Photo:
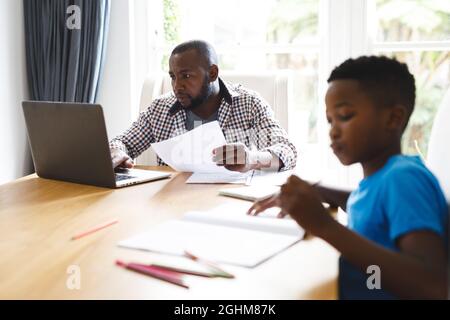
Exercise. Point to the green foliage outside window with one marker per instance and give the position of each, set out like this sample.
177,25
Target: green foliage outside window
171,26
419,20
293,21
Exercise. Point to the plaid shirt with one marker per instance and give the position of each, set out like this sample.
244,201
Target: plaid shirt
243,116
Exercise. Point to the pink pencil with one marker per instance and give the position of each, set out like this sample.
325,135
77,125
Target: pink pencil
155,272
97,228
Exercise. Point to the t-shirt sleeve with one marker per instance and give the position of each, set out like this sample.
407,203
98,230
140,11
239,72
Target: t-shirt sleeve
413,203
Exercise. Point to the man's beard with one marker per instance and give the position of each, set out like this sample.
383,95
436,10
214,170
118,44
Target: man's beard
205,93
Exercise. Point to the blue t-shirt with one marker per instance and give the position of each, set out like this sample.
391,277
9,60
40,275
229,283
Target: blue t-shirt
402,197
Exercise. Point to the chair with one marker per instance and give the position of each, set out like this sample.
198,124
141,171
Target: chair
275,87
438,159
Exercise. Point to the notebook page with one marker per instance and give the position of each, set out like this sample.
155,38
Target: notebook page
236,246
236,217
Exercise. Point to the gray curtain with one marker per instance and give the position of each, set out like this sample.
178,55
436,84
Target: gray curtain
65,64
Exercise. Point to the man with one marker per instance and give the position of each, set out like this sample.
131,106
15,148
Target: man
200,96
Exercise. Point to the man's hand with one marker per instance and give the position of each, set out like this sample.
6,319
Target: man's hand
121,159
237,157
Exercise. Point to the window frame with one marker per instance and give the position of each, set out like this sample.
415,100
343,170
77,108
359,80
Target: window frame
347,28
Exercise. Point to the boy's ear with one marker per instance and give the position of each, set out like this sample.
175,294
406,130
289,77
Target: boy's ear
397,117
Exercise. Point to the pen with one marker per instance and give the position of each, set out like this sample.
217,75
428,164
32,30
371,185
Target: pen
248,182
96,228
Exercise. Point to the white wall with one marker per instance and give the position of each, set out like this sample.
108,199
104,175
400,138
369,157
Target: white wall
116,93
15,159
127,61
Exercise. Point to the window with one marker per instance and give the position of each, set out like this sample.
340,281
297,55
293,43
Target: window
311,37
417,32
255,35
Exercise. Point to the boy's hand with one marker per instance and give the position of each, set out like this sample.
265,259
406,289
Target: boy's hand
260,206
302,202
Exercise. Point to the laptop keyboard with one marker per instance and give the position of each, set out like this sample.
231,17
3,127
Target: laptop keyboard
120,177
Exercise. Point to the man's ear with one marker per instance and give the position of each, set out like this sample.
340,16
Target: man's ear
213,73
397,117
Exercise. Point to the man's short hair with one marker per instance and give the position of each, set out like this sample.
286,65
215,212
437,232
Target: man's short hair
203,48
385,80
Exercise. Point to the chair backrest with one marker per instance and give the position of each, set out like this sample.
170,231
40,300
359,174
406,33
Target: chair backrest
275,87
438,159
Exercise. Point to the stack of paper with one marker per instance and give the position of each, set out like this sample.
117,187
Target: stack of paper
251,193
210,178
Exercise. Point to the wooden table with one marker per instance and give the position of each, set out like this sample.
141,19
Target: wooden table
39,216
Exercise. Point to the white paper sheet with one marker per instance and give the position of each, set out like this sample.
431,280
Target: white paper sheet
238,218
227,177
267,178
259,178
192,151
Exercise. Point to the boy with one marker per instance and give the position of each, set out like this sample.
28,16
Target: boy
398,213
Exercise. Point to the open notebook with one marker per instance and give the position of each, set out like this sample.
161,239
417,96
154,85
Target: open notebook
225,234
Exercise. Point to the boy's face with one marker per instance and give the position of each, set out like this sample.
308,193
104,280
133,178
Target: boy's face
357,128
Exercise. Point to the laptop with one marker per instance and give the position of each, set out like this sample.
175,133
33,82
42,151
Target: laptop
69,142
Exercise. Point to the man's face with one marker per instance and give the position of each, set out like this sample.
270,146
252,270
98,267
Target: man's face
190,78
357,127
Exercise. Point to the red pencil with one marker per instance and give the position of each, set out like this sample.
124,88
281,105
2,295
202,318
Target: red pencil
99,227
155,272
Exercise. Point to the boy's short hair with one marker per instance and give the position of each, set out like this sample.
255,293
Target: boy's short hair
387,81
